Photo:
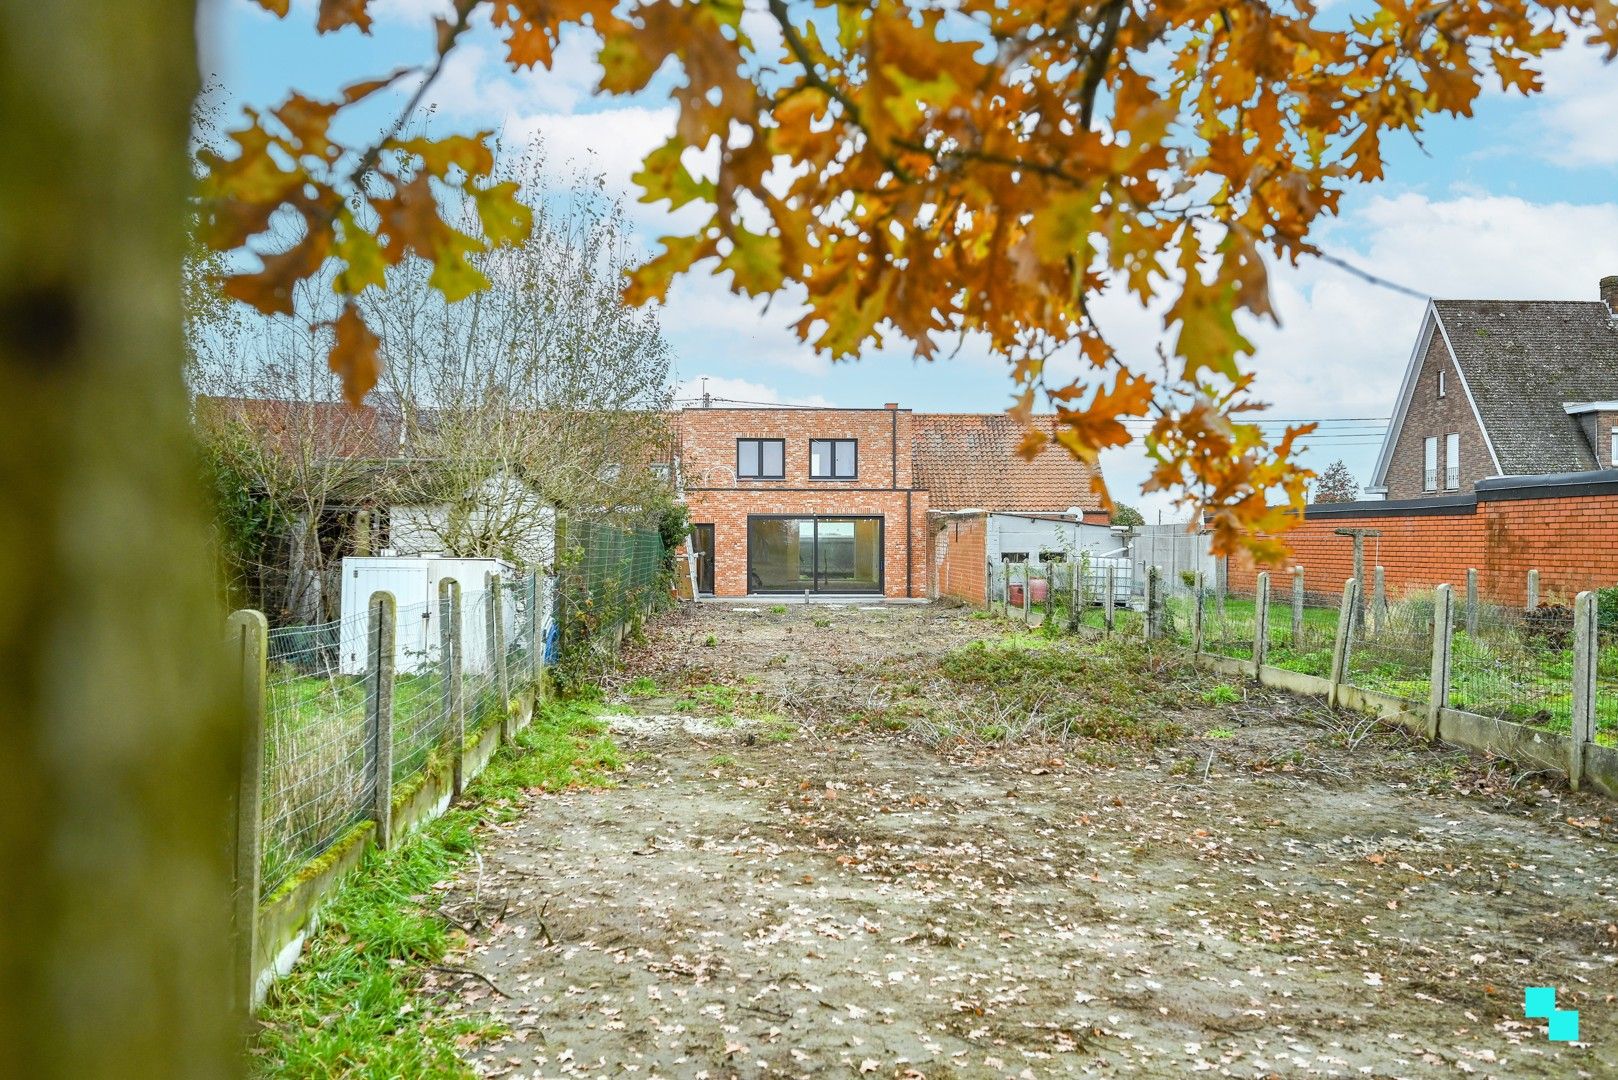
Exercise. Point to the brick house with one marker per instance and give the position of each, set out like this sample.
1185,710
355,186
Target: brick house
1504,388
838,501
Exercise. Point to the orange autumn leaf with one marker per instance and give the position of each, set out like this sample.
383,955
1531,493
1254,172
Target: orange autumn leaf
910,184
354,355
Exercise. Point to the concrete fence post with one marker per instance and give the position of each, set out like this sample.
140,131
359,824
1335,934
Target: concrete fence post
494,588
1472,603
249,642
1076,591
1297,608
536,645
1261,620
1439,673
1198,611
450,668
1005,589
1154,603
1050,590
1340,647
1221,584
1532,596
1109,602
1027,594
383,617
1586,642
1379,600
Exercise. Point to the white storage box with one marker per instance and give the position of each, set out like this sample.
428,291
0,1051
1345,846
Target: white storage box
413,581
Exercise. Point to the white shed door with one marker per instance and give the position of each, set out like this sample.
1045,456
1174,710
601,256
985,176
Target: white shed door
411,590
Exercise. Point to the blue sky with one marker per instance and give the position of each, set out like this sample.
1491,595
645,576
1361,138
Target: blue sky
1519,202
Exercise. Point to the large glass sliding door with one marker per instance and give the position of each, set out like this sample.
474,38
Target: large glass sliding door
814,554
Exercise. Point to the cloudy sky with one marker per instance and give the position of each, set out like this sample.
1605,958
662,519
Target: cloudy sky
1519,202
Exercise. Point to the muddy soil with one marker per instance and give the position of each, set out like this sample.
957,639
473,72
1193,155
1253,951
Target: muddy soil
793,882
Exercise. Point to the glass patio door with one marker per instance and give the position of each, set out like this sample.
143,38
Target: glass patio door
814,554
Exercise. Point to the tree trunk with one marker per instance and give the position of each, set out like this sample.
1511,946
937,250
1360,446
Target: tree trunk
114,718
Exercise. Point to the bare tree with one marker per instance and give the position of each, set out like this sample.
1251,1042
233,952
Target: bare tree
542,391
295,470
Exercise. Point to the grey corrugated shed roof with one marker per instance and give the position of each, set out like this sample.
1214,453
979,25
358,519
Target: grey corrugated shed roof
1525,360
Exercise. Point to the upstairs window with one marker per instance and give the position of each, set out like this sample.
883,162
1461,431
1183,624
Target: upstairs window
1440,382
833,459
761,459
1614,458
1452,460
1429,463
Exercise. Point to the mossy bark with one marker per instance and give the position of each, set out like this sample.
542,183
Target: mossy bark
114,710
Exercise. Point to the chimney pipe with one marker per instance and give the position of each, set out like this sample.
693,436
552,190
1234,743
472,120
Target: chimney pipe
1609,293
895,404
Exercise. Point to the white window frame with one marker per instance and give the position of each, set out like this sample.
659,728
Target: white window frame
1452,461
1440,382
1614,458
1429,463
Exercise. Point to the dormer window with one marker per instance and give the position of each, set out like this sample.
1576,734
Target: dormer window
1441,382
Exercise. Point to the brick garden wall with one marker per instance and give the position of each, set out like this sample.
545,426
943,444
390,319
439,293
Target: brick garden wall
1569,533
959,559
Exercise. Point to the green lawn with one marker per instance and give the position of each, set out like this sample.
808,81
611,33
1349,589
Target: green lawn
1509,670
315,751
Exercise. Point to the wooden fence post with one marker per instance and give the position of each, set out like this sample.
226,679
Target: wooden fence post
249,636
1438,674
1472,603
1261,621
1586,640
1198,606
1050,590
494,590
449,657
1341,646
383,615
1533,591
1297,608
1110,601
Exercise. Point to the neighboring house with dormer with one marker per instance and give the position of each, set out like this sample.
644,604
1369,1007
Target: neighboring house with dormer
1504,388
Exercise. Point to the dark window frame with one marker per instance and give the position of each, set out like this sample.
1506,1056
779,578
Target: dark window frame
881,548
855,475
761,475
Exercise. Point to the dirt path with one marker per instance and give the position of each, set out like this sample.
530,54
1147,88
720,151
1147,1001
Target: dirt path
1268,891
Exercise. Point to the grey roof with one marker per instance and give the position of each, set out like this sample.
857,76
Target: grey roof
1523,361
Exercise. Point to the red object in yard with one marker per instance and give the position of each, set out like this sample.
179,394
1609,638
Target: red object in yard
1038,592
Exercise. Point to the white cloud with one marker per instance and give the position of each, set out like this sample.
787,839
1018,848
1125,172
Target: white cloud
1577,112
725,390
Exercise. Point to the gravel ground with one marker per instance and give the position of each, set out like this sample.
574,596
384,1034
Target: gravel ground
815,865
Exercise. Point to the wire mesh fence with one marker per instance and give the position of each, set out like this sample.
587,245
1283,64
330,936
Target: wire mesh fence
608,574
315,784
1390,649
1513,664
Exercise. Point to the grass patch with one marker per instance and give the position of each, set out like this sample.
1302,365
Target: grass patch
778,609
643,687
1223,694
1221,733
351,1007
1024,684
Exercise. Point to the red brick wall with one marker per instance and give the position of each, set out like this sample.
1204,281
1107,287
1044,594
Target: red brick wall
959,558
1569,540
708,445
904,565
882,486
